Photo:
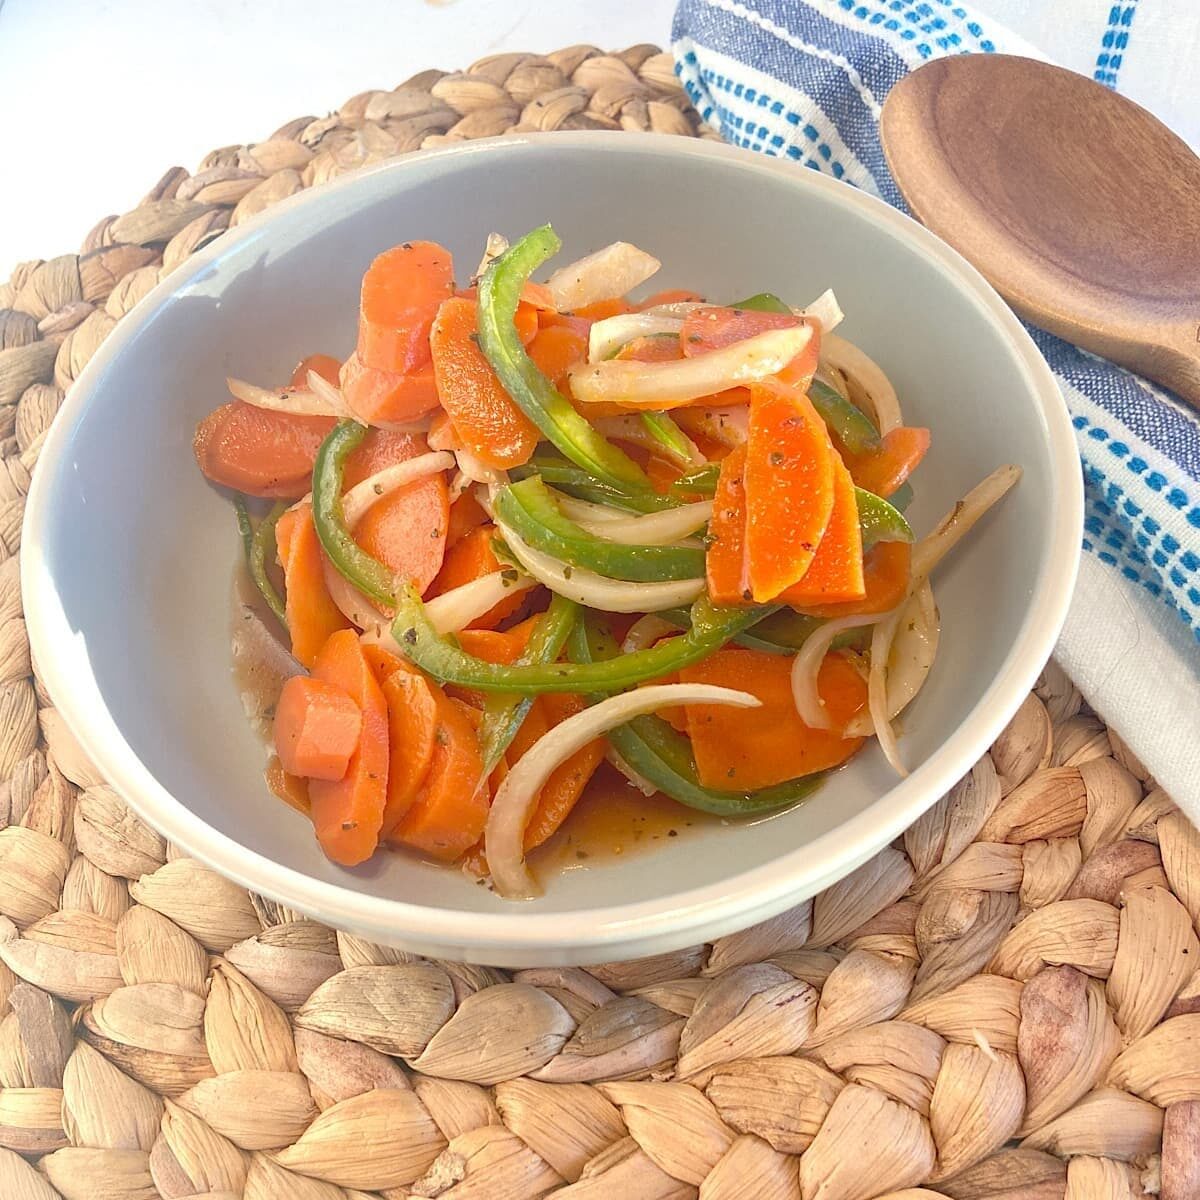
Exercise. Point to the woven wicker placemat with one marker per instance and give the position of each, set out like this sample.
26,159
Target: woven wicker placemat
1003,1006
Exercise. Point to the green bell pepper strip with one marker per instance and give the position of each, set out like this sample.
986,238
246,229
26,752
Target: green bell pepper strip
529,510
503,712
901,498
578,483
667,434
762,302
880,521
499,293
664,758
846,422
442,658
350,560
259,545
700,482
782,632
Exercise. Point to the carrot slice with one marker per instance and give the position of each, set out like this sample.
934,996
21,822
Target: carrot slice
401,292
670,296
406,530
725,562
741,749
708,329
317,727
312,616
291,789
325,365
347,814
552,319
651,349
375,396
599,310
560,793
556,349
466,513
450,810
258,451
412,729
789,487
836,573
661,473
468,559
886,571
494,647
886,469
484,415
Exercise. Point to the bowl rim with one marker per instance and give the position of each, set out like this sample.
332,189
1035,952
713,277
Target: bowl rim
519,936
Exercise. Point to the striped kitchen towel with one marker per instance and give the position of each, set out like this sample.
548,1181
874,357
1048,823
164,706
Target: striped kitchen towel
805,79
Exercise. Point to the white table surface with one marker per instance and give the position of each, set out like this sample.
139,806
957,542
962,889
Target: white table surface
100,96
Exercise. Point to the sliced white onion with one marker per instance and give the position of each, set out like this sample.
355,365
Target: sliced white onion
806,666
330,393
584,512
676,308
379,633
357,608
866,381
648,529
677,382
363,496
612,271
496,245
642,784
631,428
826,310
457,608
299,402
644,632
961,519
612,333
459,483
598,591
444,437
515,799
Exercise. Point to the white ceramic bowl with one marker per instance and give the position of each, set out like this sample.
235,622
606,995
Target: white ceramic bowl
128,554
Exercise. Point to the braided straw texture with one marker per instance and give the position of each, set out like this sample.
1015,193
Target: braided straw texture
1003,1006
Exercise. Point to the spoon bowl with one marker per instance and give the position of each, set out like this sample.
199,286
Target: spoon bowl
1079,207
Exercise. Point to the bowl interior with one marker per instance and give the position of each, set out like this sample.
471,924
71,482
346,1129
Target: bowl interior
135,552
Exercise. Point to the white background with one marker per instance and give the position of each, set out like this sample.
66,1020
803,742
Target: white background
99,97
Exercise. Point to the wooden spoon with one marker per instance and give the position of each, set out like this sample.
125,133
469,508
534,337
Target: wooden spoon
1080,208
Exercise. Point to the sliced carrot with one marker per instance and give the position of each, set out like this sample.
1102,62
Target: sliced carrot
258,451
556,349
442,435
836,573
739,749
470,558
670,296
401,292
552,319
406,530
725,562
562,790
380,448
712,328
385,397
661,473
494,647
347,814
325,365
886,572
466,513
291,789
450,810
485,417
651,349
383,663
600,310
311,613
317,726
412,704
789,487
886,469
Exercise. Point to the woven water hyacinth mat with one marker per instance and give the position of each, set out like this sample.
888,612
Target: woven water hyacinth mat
1004,1005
